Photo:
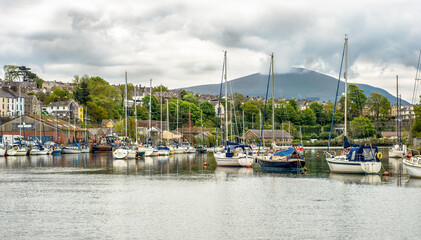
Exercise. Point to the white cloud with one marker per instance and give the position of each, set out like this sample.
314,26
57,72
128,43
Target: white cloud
180,43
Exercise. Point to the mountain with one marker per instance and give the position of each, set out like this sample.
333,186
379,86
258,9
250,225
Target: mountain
300,84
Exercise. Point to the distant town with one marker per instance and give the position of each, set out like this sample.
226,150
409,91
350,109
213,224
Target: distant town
58,106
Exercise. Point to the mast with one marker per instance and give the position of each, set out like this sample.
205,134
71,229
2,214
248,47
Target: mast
273,102
161,111
201,122
125,105
86,119
226,97
397,110
191,135
40,119
243,127
178,134
168,121
150,111
56,128
346,81
135,109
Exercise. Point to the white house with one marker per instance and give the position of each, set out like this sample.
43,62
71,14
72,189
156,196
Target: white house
62,108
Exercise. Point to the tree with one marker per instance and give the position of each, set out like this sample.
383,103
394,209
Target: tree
58,95
357,100
416,127
318,110
156,108
11,73
238,100
39,82
158,89
81,92
293,104
122,88
208,110
308,117
97,113
192,98
362,127
378,104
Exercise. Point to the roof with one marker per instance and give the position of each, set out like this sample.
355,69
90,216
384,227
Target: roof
268,133
6,94
61,103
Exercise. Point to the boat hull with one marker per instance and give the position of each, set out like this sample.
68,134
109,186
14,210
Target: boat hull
56,152
124,154
2,152
413,168
345,166
290,163
71,151
396,154
38,152
18,152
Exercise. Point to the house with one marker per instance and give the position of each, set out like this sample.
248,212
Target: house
218,106
62,109
9,102
108,123
281,136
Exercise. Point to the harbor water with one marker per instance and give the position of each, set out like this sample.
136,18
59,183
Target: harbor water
92,196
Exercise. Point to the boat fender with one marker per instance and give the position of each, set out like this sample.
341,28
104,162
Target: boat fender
305,170
15,148
409,155
236,154
379,155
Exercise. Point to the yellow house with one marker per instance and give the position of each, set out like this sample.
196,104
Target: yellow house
171,135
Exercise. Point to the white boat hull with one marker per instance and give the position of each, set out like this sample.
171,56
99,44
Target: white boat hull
341,165
178,151
71,151
163,152
18,152
413,167
38,152
120,153
86,150
2,152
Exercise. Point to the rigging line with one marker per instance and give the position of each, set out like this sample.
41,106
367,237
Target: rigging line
416,79
264,112
219,104
336,98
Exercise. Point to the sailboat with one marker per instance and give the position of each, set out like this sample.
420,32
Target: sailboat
285,158
412,164
19,148
124,151
398,150
233,154
355,158
147,148
38,148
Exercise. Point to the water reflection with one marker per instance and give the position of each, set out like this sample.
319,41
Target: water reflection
357,178
193,166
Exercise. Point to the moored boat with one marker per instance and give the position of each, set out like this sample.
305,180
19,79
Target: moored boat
413,166
288,158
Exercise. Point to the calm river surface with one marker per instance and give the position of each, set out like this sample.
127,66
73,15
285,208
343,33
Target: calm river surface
93,197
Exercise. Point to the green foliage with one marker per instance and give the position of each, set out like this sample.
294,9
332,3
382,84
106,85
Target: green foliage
308,117
121,127
416,127
192,98
96,112
159,89
208,110
81,92
238,100
156,108
39,82
362,127
378,104
122,91
293,104
357,100
11,73
58,95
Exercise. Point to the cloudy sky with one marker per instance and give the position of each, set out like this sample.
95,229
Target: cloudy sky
181,43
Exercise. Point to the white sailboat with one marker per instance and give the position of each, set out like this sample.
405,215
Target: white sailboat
148,148
124,152
38,148
359,159
2,147
232,154
398,150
